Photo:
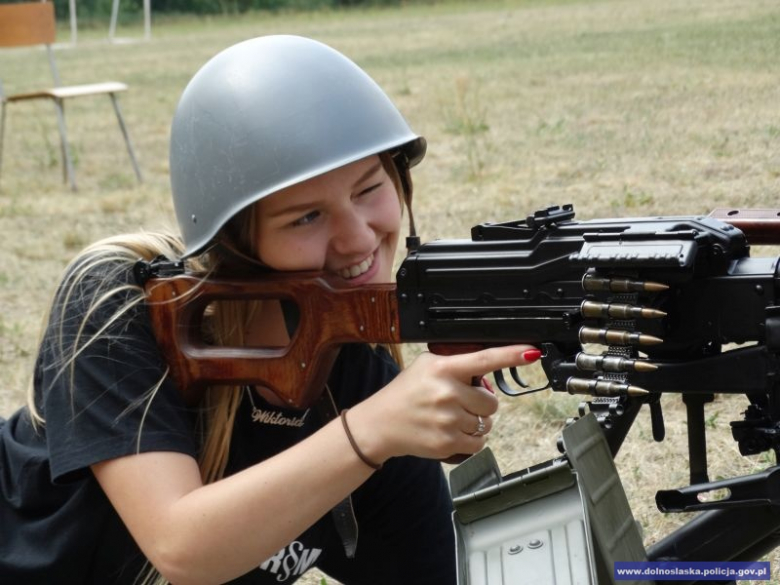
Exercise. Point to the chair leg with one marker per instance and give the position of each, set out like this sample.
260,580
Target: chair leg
2,133
67,164
130,151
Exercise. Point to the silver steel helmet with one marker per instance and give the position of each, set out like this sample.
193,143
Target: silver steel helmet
268,113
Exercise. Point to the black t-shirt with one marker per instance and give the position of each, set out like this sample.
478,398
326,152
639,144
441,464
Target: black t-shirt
57,523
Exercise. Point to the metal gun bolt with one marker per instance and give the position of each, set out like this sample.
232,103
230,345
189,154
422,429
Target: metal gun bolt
514,549
535,543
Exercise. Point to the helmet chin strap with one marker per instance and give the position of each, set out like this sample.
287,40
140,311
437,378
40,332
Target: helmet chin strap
402,164
412,240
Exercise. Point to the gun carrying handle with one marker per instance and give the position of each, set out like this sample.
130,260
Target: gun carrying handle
760,226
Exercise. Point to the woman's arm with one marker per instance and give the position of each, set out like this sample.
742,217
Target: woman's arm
205,534
210,534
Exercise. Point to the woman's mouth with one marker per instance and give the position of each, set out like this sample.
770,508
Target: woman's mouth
357,269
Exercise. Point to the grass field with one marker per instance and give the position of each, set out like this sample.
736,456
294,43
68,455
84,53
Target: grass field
620,107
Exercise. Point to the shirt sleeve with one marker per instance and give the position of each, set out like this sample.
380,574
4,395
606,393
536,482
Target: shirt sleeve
112,399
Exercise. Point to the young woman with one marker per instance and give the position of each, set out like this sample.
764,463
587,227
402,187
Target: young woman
284,156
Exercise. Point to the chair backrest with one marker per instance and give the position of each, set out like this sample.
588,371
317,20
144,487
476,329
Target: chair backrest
28,23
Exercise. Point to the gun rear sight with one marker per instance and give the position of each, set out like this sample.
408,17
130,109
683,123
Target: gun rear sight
523,229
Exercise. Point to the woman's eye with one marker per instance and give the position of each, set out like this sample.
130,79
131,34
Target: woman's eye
306,219
369,189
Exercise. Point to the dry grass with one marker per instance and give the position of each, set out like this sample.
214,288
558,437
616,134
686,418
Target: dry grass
621,107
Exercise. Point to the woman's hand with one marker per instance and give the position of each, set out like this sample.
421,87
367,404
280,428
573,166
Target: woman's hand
432,409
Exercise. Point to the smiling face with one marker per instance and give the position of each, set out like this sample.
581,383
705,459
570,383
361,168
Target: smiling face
345,222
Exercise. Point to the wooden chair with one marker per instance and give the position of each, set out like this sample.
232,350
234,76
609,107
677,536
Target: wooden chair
33,23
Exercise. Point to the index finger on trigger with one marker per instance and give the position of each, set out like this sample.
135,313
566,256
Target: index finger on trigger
475,365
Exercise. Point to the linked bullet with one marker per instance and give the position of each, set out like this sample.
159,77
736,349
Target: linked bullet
593,283
611,363
602,388
593,309
616,337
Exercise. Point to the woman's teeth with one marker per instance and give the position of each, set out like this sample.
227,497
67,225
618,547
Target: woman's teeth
357,269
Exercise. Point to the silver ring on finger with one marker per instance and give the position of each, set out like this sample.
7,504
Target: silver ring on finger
480,427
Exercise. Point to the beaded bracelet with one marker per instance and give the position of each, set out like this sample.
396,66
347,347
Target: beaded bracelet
352,442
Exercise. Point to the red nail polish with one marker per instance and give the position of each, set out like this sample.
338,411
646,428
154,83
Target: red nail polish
487,385
531,355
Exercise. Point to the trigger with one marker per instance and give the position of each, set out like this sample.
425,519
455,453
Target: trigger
498,376
516,377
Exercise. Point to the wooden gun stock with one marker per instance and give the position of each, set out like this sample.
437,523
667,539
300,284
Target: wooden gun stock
330,315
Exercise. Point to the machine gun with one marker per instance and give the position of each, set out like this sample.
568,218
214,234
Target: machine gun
678,303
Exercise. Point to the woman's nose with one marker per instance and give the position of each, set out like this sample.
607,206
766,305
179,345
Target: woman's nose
352,233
